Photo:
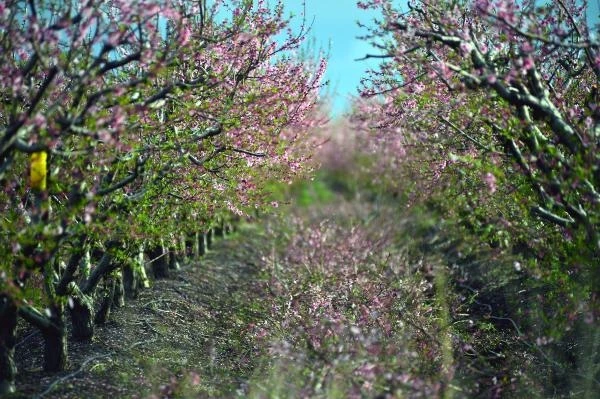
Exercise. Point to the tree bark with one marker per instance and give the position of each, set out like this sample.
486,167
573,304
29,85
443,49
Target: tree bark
173,261
201,244
130,280
105,267
8,323
209,238
53,329
140,268
228,228
185,250
220,229
176,253
81,318
55,340
85,267
119,296
82,312
160,266
77,261
195,245
51,324
103,312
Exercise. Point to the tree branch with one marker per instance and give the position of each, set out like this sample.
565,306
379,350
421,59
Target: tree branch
36,318
210,132
254,154
125,181
105,266
69,272
212,155
462,132
552,217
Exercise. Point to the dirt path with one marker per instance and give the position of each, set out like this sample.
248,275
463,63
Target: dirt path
186,336
327,302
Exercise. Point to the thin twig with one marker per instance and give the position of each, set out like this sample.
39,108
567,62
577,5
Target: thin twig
82,367
71,375
27,338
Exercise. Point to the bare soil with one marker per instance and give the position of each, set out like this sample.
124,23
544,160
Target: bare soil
186,336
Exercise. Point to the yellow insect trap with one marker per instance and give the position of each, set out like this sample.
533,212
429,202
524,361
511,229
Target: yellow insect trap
38,170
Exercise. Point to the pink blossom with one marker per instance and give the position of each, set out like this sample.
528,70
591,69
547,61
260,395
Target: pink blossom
465,47
186,34
490,182
528,63
39,120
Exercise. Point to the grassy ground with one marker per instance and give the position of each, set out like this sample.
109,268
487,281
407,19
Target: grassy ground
338,298
187,336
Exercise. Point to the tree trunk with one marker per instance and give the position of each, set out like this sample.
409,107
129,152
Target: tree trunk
130,280
233,224
81,318
82,312
140,269
119,297
185,251
55,340
195,245
228,228
201,244
188,239
173,261
176,253
8,323
103,313
160,266
209,238
220,229
85,267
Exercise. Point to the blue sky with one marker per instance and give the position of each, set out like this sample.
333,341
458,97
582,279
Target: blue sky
334,29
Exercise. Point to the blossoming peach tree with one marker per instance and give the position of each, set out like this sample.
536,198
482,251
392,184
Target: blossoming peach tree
125,124
495,104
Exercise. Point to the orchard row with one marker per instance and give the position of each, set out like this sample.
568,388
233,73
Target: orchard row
486,113
129,131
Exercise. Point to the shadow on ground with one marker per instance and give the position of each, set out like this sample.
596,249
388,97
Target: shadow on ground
188,335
